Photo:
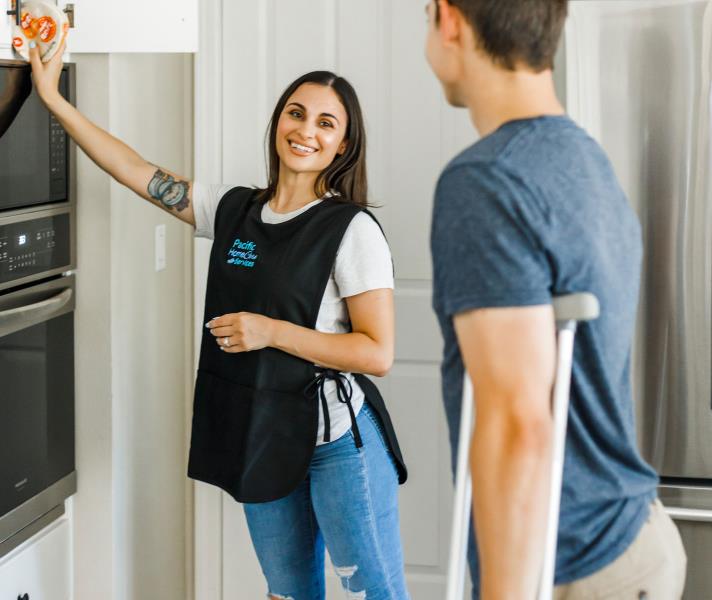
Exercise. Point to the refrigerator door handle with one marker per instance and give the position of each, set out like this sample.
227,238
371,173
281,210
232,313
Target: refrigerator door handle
689,514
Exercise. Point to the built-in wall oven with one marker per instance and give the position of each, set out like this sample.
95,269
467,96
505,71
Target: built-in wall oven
37,301
37,425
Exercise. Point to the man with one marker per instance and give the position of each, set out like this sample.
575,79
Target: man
531,211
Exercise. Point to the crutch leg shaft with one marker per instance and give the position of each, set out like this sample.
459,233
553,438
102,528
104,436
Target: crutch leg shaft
568,311
463,498
560,409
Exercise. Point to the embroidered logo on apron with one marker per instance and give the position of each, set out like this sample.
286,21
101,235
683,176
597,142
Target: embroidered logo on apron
242,254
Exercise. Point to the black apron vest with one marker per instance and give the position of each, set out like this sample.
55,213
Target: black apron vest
255,414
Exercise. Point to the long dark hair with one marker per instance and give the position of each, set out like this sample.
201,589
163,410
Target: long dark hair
347,173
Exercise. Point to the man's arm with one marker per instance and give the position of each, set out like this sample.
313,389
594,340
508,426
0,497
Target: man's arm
510,355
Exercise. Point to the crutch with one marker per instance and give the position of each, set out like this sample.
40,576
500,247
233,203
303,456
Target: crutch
568,311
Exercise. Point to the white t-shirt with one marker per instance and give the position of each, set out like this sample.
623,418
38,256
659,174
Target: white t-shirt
363,263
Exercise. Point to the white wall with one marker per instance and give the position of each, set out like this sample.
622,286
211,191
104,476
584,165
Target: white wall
93,504
133,362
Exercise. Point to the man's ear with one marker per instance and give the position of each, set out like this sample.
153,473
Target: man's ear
450,22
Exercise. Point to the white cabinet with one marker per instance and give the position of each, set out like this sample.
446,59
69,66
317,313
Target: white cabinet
125,25
41,567
5,30
134,26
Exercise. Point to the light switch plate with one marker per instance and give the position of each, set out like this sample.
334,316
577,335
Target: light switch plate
160,248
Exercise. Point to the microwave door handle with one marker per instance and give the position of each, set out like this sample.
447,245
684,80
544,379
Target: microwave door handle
16,319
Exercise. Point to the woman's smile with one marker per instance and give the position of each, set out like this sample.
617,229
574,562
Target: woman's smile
301,149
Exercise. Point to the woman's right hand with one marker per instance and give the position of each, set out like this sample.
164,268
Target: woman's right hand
46,75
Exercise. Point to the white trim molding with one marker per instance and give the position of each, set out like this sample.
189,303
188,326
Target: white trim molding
208,516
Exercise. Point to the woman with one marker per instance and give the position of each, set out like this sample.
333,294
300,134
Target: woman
299,305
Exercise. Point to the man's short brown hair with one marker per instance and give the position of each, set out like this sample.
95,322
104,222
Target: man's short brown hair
516,32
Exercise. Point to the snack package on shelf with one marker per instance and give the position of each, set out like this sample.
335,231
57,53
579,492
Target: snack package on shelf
42,23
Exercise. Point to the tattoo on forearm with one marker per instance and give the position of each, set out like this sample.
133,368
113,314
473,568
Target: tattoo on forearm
168,191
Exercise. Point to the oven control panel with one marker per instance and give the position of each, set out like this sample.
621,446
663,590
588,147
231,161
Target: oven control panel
32,247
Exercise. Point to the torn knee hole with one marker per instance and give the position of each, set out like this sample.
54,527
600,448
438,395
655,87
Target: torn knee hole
279,597
346,573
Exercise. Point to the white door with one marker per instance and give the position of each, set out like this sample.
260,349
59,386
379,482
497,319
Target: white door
412,133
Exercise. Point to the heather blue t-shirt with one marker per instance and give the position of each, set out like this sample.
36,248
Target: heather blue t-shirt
532,211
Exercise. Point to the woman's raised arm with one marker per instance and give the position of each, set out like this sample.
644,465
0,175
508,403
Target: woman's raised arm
167,190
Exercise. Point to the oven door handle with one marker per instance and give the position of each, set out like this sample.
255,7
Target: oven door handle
15,319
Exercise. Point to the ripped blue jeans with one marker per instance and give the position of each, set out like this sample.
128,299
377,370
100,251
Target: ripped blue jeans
348,503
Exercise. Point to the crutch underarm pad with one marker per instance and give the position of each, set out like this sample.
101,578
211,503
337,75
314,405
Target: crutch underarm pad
576,307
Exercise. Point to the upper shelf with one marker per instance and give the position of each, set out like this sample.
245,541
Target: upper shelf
125,26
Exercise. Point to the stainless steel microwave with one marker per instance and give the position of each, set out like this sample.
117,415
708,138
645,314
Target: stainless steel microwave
34,149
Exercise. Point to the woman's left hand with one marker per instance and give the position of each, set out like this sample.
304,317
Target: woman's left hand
242,332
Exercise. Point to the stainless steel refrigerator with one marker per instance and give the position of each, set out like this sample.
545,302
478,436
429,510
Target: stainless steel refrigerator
637,75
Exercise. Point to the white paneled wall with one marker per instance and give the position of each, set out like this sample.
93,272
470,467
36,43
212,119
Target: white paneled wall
378,45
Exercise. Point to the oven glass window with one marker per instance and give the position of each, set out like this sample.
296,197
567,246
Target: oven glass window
28,151
36,404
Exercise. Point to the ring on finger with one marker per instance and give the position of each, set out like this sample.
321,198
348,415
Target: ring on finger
226,342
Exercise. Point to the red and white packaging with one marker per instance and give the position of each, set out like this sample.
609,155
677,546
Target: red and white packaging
42,23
